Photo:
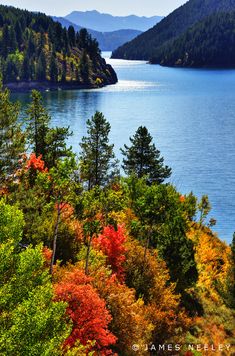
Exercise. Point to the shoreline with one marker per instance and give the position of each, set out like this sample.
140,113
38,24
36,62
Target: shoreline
24,87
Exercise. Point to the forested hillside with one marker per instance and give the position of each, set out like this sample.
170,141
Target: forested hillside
92,263
209,43
149,43
35,49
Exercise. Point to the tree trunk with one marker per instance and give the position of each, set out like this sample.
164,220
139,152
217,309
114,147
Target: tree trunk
88,255
55,237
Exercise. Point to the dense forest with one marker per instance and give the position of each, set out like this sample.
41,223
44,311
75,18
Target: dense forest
34,48
93,263
149,44
209,43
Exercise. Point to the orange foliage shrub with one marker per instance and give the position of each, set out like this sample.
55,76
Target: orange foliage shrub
36,163
149,276
130,322
87,311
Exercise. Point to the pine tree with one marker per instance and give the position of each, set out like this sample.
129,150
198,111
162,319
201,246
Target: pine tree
37,124
25,71
53,69
5,41
64,70
45,141
71,36
12,40
18,33
41,67
143,159
98,164
11,136
84,67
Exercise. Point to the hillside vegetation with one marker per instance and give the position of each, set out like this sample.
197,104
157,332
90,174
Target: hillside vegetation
34,48
209,43
92,263
148,45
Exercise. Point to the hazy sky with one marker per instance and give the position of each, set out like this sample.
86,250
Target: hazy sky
116,7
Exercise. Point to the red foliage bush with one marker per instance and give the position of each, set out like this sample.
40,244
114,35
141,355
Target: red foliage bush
111,243
36,163
87,311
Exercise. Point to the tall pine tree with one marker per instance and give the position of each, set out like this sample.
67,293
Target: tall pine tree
143,159
45,141
11,136
98,164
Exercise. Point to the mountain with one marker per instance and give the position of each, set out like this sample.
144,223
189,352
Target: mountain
209,43
149,43
108,41
37,52
106,22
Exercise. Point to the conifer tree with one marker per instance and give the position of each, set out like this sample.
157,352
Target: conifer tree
41,67
142,158
45,141
37,124
53,68
98,164
12,40
25,73
11,136
71,36
5,40
84,67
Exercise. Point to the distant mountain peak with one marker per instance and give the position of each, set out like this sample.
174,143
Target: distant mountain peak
104,22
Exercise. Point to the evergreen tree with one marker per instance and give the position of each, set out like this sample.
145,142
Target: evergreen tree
25,72
37,124
31,45
65,41
98,164
53,69
142,158
5,41
11,71
84,67
45,141
18,33
56,147
41,67
12,40
11,136
71,36
64,70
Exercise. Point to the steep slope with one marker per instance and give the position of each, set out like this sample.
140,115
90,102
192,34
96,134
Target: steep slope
37,52
145,46
106,22
108,41
209,43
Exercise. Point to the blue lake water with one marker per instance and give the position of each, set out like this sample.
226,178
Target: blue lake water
189,112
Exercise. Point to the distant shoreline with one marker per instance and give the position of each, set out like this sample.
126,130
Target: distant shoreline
24,87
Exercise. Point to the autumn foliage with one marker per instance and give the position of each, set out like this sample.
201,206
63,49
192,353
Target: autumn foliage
36,163
87,310
112,243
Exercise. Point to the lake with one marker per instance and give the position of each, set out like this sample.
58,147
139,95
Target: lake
189,112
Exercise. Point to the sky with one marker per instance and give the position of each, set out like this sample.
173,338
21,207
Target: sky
115,7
